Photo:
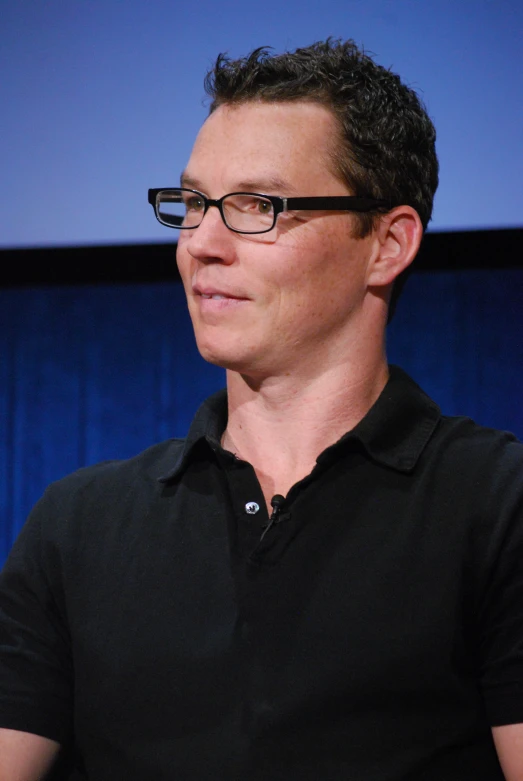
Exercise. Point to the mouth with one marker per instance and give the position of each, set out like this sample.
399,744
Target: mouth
218,302
211,293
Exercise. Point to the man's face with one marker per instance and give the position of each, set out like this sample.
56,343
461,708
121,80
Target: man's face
290,298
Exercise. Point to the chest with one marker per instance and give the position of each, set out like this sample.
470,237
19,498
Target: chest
197,610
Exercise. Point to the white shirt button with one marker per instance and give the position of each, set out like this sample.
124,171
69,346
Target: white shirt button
251,508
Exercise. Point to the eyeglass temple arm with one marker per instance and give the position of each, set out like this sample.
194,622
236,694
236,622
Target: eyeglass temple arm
342,202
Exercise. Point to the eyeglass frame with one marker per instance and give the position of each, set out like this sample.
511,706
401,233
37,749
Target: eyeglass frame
280,205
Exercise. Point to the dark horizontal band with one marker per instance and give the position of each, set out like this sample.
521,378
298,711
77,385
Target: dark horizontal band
337,202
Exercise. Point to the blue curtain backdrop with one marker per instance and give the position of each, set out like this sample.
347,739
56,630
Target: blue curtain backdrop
91,373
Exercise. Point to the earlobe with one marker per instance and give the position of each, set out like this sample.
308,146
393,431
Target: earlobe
398,237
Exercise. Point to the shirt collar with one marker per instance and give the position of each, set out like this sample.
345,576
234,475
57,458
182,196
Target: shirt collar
396,429
207,427
394,432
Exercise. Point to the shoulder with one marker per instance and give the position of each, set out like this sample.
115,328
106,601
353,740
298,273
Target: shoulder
96,510
149,465
474,476
108,489
483,465
471,477
459,441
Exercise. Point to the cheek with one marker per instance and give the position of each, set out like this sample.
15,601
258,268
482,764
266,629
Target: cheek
309,262
323,276
181,253
185,265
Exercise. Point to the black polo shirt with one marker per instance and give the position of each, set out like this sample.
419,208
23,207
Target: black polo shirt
150,617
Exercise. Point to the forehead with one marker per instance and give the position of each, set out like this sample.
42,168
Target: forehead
277,144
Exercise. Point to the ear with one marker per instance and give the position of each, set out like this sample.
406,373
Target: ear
398,236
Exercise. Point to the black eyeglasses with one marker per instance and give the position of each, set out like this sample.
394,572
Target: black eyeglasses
246,212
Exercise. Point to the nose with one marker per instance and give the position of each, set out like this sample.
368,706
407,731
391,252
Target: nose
211,240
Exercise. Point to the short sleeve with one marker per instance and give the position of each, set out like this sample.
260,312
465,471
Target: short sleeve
500,609
35,655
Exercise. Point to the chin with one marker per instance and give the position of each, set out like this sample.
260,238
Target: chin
238,361
219,355
220,346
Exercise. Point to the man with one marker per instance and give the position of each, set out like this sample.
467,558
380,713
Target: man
323,581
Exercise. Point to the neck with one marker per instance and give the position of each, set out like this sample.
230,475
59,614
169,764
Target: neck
280,424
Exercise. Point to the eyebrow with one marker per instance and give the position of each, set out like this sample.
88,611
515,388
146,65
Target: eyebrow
265,184
188,181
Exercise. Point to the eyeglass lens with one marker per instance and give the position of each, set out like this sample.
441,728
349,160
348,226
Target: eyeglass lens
244,212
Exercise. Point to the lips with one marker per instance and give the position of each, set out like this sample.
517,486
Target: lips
218,294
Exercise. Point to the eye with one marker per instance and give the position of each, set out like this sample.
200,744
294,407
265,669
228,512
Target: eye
264,207
194,203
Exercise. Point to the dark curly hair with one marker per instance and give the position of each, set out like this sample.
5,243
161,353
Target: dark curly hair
387,145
